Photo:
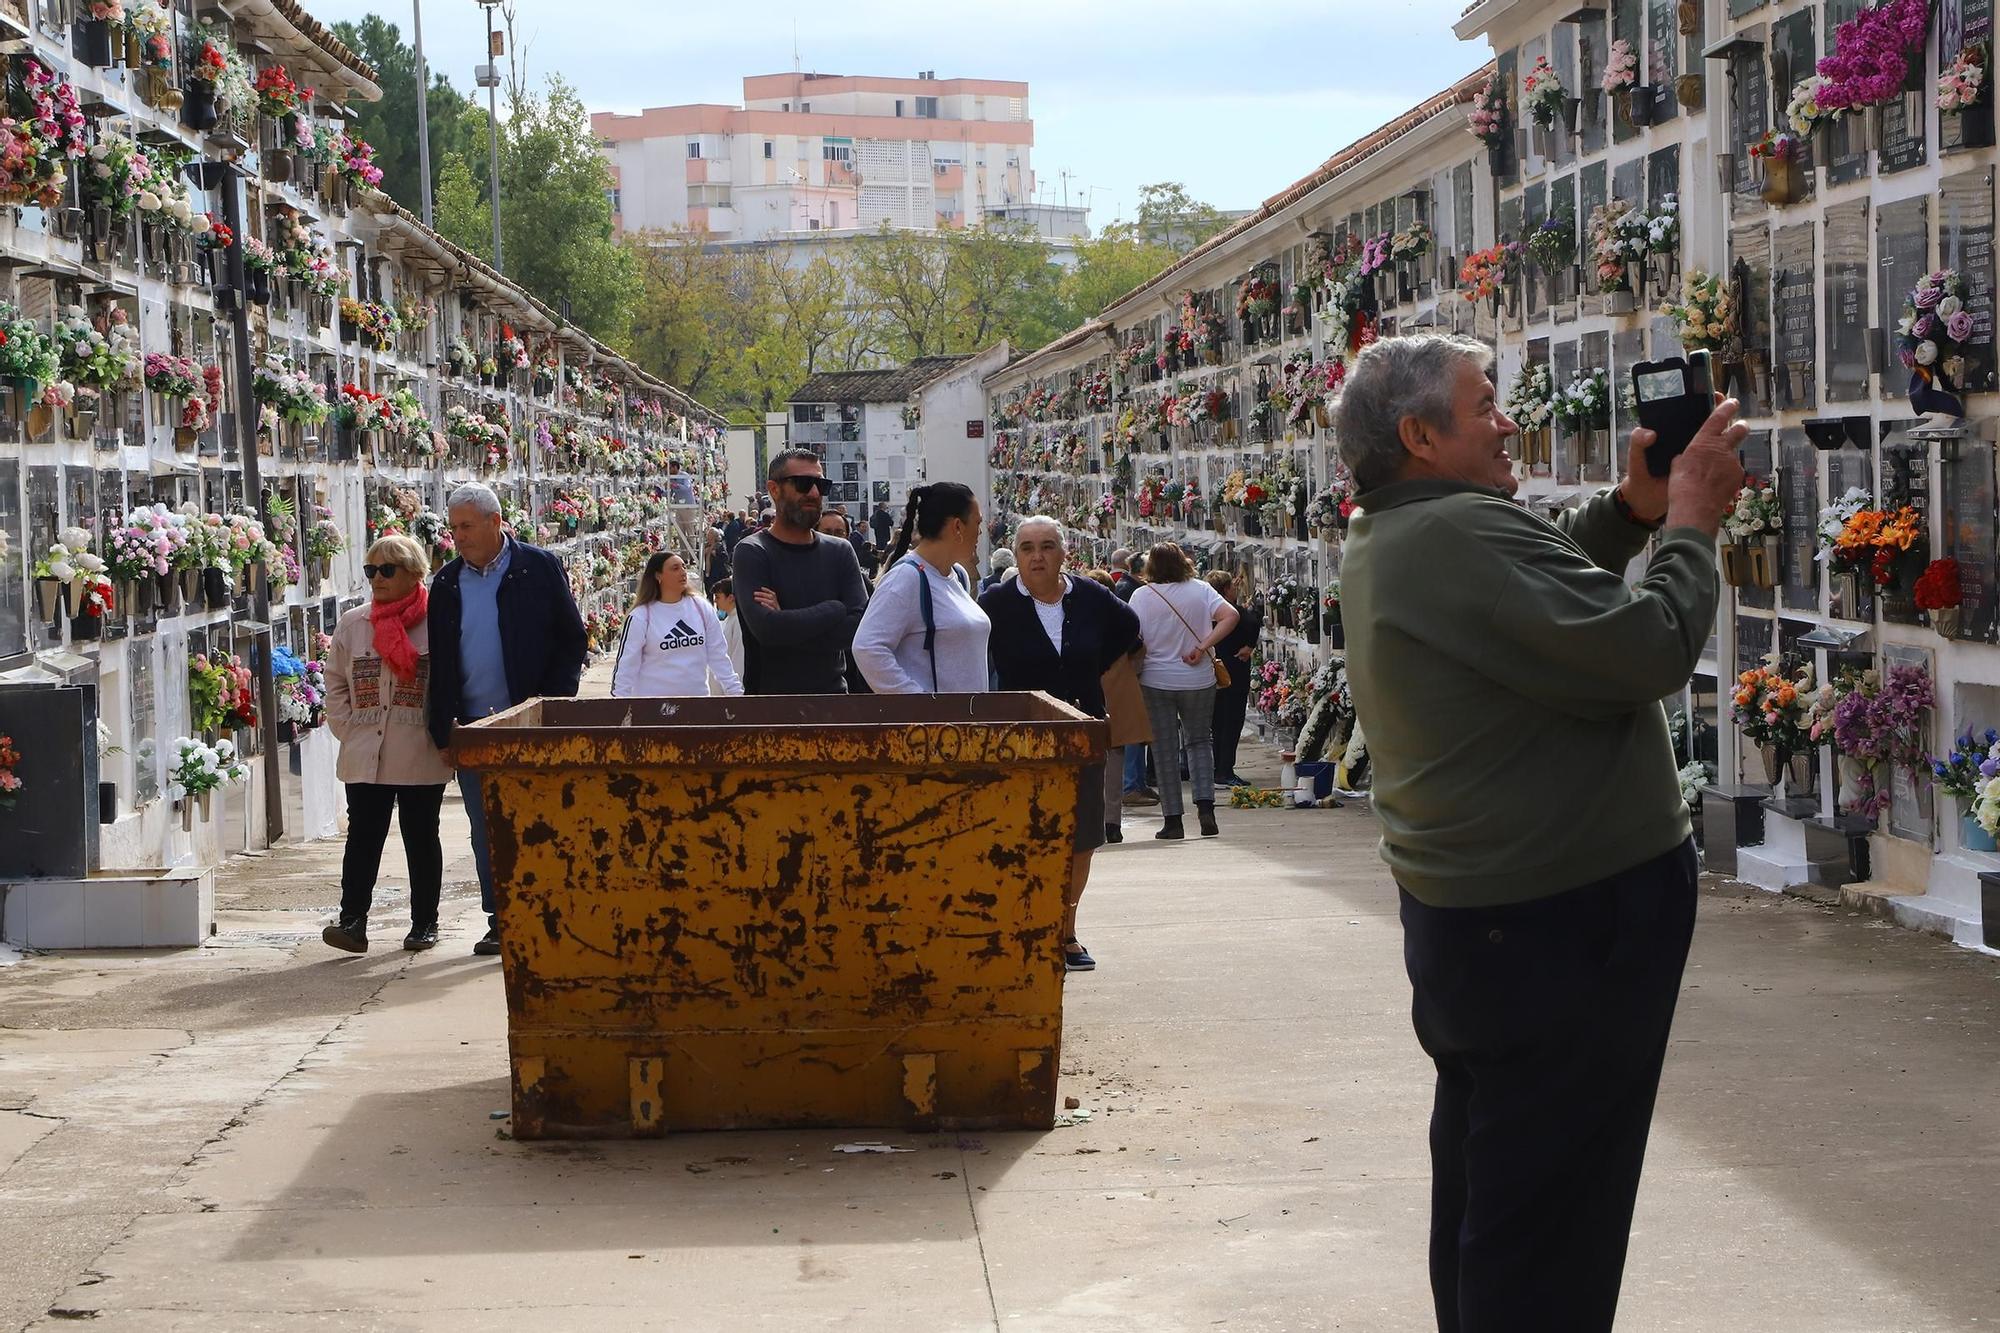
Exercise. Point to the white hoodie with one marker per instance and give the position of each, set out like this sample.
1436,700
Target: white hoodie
671,648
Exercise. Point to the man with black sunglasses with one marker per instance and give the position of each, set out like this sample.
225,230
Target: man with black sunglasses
800,593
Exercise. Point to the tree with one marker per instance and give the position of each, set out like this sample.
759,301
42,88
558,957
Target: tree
1108,267
1170,217
933,293
462,215
457,126
555,213
903,284
698,313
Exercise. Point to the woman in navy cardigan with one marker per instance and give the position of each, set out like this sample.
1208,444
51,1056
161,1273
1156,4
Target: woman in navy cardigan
1060,634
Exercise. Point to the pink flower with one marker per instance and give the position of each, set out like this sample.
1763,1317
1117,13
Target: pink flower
1959,326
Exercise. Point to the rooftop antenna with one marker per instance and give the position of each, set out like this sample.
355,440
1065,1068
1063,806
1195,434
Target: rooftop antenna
797,67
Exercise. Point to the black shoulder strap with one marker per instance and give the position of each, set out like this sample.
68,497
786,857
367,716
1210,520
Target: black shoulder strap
924,606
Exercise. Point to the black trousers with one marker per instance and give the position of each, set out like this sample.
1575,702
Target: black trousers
1548,1024
369,806
1231,707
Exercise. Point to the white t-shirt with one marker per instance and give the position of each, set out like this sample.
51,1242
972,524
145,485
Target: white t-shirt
1050,616
670,649
1167,640
889,645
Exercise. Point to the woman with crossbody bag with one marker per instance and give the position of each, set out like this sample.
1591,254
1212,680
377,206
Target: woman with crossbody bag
1181,619
922,632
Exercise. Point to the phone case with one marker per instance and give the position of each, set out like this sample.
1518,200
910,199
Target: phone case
1674,420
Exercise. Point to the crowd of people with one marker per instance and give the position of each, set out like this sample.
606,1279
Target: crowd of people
799,602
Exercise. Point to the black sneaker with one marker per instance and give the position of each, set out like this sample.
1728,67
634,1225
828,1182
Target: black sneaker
421,938
1076,958
1112,833
489,943
350,935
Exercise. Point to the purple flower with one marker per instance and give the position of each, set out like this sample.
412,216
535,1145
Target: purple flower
1908,358
1925,326
1959,326
1989,767
1927,296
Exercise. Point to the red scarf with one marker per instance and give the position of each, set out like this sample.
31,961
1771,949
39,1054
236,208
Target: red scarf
393,622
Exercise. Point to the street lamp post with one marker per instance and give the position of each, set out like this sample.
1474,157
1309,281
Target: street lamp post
423,109
489,76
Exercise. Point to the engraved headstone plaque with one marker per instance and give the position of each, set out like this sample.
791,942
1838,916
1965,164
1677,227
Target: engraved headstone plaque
1903,135
1662,59
1963,25
1792,323
1849,469
1462,243
1970,533
1906,480
1569,469
13,562
1627,18
1902,256
1663,175
1911,797
1749,117
1757,461
1750,251
1594,46
1534,208
1842,141
1965,243
1847,331
1798,492
1507,67
1562,204
1596,447
1793,57
1628,347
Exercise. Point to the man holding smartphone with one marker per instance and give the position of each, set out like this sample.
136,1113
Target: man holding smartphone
1509,681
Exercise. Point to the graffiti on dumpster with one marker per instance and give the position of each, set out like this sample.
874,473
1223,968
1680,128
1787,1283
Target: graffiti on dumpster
950,744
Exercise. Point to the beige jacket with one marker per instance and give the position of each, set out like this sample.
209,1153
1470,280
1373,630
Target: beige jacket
378,719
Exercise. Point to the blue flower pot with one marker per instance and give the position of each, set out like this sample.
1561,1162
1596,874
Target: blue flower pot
1974,838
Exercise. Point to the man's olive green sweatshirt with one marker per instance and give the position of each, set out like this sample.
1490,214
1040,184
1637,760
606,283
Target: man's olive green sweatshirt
1508,682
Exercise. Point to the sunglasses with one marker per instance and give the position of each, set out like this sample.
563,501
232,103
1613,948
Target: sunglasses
824,485
388,571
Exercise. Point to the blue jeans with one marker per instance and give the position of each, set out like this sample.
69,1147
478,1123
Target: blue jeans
1135,768
475,815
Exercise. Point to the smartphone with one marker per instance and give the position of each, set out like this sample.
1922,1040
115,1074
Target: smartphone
1674,398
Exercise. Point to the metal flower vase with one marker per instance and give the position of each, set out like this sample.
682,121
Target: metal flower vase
1763,557
1946,619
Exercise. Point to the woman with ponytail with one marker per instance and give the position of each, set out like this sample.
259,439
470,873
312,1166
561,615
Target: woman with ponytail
377,689
923,633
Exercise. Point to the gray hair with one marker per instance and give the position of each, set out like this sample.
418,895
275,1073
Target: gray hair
1391,380
1121,559
1038,521
476,496
1003,559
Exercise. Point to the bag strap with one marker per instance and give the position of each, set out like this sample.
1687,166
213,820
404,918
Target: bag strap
1178,616
924,605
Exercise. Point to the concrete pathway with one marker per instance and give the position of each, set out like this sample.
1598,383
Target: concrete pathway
264,1134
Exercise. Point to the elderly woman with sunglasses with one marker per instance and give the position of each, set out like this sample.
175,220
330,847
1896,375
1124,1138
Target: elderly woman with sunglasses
377,685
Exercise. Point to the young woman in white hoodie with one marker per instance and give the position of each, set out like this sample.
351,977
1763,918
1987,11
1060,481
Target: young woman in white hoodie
673,639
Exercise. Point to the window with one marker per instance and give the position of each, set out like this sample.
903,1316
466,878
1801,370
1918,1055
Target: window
927,108
833,214
786,107
615,195
805,106
708,196
768,148
837,152
899,107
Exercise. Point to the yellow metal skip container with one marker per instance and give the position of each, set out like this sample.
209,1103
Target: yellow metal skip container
782,911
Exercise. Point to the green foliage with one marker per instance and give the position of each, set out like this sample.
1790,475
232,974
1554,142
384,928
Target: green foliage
457,125
1170,217
1108,267
462,214
555,213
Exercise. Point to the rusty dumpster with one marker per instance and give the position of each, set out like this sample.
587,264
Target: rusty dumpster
781,911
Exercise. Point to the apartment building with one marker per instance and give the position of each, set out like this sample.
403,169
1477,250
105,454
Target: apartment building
820,152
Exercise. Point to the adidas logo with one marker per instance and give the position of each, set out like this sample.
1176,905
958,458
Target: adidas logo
682,635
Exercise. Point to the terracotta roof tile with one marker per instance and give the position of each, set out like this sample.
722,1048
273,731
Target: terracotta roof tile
322,36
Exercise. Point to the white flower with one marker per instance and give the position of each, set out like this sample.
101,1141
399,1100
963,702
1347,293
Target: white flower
62,569
1907,323
1927,352
149,201
1950,306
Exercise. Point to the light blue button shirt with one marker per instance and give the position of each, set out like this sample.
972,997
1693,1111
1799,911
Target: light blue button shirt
482,662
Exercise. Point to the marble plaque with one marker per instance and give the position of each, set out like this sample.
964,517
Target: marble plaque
1534,207
1841,147
1462,242
1507,167
1965,243
1902,256
1598,450
1961,24
1758,462
1662,59
1798,492
1969,533
14,563
1749,117
1903,136
1906,480
1848,468
1847,330
1750,251
1594,47
1568,447
1663,175
1627,17
1793,57
1794,350
1911,803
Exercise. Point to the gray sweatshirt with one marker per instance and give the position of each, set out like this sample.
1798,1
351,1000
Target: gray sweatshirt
801,647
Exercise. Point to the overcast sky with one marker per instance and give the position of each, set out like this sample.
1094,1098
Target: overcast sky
1235,100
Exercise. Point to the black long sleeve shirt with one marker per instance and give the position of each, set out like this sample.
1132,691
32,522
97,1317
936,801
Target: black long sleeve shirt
801,648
